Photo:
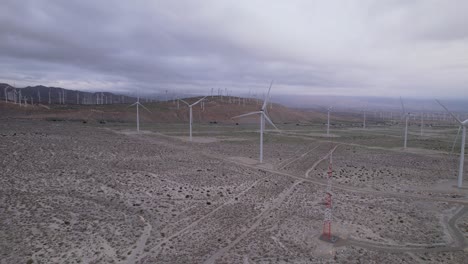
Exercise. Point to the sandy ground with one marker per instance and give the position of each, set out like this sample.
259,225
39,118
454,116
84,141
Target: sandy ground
79,193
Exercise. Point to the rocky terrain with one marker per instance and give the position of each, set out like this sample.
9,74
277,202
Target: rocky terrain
73,192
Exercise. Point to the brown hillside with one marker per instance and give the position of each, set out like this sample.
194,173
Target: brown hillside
216,109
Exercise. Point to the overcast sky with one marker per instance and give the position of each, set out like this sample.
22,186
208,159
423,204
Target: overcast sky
378,48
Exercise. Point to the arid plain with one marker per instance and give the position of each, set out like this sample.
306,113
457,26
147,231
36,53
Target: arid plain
99,192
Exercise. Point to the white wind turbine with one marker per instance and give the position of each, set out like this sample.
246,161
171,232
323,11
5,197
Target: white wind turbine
263,116
462,151
138,104
5,89
191,116
364,120
422,122
406,116
328,120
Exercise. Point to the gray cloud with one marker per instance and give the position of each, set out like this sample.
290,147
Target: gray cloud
386,48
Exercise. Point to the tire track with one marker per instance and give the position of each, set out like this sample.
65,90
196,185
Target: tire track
196,222
456,234
275,204
297,158
140,244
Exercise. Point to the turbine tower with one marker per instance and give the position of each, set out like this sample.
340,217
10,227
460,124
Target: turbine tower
263,117
191,116
328,121
364,121
422,123
406,116
463,126
138,104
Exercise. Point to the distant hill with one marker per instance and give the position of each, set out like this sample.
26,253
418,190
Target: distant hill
63,104
57,95
76,105
216,110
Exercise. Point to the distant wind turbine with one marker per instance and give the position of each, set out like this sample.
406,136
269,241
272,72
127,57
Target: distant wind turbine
406,116
462,151
5,89
364,121
263,116
422,122
328,121
138,104
191,116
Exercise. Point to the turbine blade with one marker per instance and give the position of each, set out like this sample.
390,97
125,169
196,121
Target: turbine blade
198,101
458,120
184,102
402,106
265,100
269,121
145,108
248,114
132,105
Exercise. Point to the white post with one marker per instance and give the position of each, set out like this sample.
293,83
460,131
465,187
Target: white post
462,158
406,130
190,123
138,116
262,122
328,124
422,123
364,124
6,94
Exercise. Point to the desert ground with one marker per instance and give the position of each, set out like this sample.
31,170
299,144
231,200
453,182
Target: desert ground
99,192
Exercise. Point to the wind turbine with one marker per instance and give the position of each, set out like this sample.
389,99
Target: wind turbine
328,122
137,103
422,122
263,116
190,107
364,121
5,89
462,151
406,116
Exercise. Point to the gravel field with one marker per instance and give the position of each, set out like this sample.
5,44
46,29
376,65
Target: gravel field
102,193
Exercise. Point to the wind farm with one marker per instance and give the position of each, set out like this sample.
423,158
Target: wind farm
219,132
150,206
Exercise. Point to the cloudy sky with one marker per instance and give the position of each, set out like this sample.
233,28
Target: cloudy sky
377,48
